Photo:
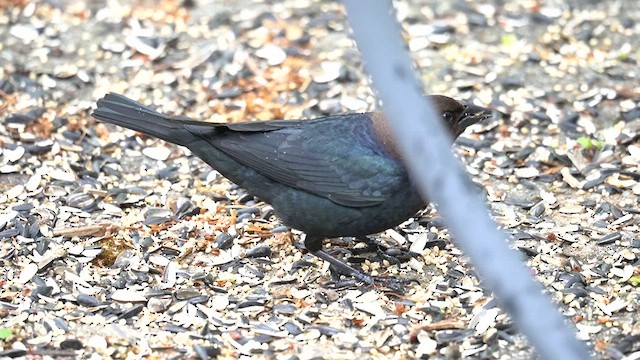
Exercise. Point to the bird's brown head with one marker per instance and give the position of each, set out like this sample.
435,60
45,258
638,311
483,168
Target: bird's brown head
457,117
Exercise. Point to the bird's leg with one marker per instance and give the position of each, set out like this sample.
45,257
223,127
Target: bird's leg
314,246
343,267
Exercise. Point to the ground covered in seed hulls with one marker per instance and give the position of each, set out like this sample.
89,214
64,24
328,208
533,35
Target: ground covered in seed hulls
117,245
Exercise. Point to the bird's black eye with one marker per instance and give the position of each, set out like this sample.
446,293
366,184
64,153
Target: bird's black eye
447,116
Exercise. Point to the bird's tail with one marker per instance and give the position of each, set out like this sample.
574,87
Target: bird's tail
122,111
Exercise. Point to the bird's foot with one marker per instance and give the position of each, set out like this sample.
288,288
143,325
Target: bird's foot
359,276
394,256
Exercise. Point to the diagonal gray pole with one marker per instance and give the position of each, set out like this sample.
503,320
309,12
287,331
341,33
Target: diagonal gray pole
426,148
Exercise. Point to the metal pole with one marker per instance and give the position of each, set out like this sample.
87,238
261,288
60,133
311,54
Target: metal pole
425,146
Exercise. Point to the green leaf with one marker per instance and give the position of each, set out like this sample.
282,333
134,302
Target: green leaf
597,143
509,39
585,142
5,333
623,56
589,143
635,280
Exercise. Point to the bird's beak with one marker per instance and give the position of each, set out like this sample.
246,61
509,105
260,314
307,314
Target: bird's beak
473,114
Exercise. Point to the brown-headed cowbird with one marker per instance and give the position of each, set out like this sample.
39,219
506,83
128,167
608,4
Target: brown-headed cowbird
334,176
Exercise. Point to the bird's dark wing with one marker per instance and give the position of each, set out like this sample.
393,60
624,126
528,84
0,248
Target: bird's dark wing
336,157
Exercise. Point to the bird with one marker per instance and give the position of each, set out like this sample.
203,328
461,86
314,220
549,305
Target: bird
334,176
